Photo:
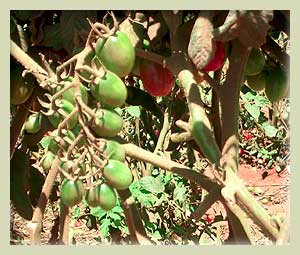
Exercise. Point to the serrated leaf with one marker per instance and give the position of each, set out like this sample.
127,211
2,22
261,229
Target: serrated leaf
270,130
156,235
180,194
134,111
98,212
253,110
119,110
114,216
117,209
104,227
148,199
152,184
261,101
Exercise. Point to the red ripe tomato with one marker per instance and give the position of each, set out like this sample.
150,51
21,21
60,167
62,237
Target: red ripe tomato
157,80
218,58
156,132
248,136
241,152
209,218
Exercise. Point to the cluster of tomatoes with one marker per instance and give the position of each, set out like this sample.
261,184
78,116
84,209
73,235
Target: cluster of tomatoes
260,76
103,94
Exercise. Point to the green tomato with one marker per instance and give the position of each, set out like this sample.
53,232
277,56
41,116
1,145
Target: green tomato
110,90
114,150
47,161
277,84
33,123
69,95
56,118
116,53
257,82
108,123
71,192
101,195
255,63
117,174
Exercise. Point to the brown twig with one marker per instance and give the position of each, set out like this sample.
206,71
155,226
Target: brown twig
36,221
135,225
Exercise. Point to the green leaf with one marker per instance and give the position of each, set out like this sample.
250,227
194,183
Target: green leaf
114,216
76,212
134,111
45,142
180,194
261,101
119,110
156,235
117,209
98,212
253,110
270,130
148,199
104,227
152,184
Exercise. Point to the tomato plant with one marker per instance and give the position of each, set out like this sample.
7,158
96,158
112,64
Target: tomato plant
116,53
157,80
218,59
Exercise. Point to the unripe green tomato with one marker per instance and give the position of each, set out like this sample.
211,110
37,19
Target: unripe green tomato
107,125
257,82
92,196
47,161
33,123
256,62
107,197
57,118
110,90
71,192
277,84
69,95
114,150
101,195
117,174
116,53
